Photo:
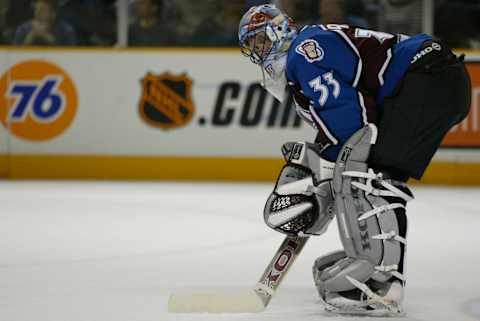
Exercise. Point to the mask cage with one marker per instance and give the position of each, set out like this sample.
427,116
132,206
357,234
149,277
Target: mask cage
249,49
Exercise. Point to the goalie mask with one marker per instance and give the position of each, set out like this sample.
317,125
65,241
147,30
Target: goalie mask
265,34
264,31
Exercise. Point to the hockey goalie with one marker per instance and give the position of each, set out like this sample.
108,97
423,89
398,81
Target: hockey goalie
381,104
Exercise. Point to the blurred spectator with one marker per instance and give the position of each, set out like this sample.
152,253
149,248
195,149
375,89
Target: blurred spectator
337,12
188,15
149,28
16,13
300,11
44,28
251,3
215,22
458,23
231,14
3,18
220,26
368,9
402,16
94,21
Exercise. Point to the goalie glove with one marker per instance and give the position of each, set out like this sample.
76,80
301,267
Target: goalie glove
302,200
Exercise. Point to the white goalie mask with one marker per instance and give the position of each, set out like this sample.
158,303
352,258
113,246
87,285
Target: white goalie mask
265,34
274,78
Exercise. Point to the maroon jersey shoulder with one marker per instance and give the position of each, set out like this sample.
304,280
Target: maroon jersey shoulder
375,49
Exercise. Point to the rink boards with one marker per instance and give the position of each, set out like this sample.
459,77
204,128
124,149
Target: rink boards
190,114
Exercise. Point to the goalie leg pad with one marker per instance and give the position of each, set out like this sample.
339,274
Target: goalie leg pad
376,298
371,218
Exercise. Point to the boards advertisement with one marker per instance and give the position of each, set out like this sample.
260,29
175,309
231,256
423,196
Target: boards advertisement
157,114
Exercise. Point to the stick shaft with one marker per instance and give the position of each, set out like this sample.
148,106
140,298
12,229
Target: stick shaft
278,267
243,301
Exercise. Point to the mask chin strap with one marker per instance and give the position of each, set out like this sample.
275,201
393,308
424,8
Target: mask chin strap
264,82
273,75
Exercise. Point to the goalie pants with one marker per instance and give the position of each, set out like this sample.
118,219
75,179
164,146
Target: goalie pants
433,96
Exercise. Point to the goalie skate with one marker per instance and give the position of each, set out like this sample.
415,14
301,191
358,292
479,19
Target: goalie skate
370,303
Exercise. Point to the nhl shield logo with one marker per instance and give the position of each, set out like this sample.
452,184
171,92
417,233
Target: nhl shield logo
166,100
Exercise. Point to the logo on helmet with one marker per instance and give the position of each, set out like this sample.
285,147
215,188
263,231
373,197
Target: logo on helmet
166,100
259,18
266,20
311,50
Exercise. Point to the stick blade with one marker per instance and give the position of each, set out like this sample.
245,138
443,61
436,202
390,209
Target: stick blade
246,301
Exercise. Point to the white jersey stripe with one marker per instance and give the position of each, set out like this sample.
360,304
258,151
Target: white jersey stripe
359,64
323,128
304,113
364,110
384,67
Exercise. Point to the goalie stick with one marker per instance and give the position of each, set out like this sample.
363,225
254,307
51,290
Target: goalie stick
253,300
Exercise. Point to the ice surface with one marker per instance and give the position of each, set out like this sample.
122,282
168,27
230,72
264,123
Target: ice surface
92,251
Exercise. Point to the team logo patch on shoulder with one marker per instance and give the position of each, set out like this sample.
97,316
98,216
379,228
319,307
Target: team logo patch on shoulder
311,50
166,100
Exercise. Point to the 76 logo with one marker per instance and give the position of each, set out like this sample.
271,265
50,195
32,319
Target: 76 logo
40,99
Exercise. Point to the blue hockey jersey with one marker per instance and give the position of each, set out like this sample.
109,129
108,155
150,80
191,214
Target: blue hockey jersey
340,75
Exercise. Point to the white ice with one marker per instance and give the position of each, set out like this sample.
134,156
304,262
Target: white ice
90,251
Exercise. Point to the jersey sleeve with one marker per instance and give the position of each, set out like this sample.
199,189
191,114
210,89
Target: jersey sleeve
324,92
335,107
